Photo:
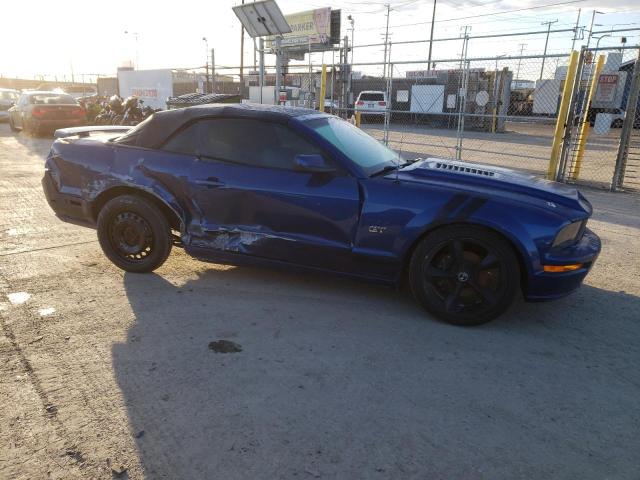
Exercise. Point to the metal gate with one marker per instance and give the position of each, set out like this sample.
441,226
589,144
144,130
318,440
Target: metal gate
601,142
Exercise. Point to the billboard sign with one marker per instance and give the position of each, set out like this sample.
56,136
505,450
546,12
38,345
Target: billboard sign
308,27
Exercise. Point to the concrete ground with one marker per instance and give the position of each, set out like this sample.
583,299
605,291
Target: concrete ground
106,374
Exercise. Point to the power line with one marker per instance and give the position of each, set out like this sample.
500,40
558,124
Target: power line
486,14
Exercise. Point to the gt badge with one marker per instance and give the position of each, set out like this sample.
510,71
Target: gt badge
376,229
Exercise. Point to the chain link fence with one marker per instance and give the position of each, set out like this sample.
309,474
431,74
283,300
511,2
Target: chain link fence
602,100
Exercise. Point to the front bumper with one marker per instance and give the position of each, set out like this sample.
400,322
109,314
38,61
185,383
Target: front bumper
69,208
543,286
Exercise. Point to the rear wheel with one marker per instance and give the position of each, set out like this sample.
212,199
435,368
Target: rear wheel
465,275
134,234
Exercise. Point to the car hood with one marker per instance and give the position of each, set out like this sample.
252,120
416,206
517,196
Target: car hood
495,179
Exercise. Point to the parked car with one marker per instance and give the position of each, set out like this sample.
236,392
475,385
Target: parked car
8,98
371,104
312,191
37,112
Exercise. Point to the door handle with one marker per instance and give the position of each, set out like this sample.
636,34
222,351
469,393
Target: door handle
210,183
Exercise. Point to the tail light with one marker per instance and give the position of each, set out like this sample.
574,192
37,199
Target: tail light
38,112
382,104
359,102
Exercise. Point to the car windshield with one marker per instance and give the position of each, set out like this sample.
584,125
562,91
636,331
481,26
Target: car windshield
364,150
52,98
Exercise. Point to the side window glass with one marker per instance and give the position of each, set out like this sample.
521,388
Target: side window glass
253,142
184,141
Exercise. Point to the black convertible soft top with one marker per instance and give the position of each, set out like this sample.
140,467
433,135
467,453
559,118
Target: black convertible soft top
156,129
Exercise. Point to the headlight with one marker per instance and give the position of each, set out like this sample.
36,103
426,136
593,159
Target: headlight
569,233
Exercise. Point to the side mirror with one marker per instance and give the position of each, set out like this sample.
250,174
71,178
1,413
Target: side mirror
313,163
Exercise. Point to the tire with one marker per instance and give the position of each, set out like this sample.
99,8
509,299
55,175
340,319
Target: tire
134,234
11,125
465,275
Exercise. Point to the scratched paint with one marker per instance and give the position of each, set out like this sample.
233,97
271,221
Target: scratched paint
18,298
234,240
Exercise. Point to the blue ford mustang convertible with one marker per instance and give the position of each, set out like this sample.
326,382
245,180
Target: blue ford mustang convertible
294,187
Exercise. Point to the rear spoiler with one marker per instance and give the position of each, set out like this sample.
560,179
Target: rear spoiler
86,131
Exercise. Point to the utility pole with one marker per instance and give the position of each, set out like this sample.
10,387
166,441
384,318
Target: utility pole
241,50
213,70
352,22
593,17
575,32
386,40
433,21
546,42
206,67
522,46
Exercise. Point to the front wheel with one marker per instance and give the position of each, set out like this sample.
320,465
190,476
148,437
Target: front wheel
134,234
465,275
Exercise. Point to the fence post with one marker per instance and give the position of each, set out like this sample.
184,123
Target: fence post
566,139
627,128
562,116
585,127
323,86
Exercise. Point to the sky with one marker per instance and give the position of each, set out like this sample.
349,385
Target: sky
88,38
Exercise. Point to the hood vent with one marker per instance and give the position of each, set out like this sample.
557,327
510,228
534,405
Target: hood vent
462,169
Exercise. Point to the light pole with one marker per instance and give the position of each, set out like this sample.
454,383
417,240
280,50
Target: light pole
546,42
600,38
135,34
433,20
206,67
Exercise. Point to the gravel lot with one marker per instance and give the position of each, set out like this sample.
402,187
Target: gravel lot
106,374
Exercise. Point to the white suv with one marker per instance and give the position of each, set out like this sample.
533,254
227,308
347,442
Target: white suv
371,103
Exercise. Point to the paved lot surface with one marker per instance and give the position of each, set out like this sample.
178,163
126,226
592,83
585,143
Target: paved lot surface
105,374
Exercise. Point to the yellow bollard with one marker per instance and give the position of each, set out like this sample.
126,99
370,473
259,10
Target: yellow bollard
585,127
323,86
358,119
561,121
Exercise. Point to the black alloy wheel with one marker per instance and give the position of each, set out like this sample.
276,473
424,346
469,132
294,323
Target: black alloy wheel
464,274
